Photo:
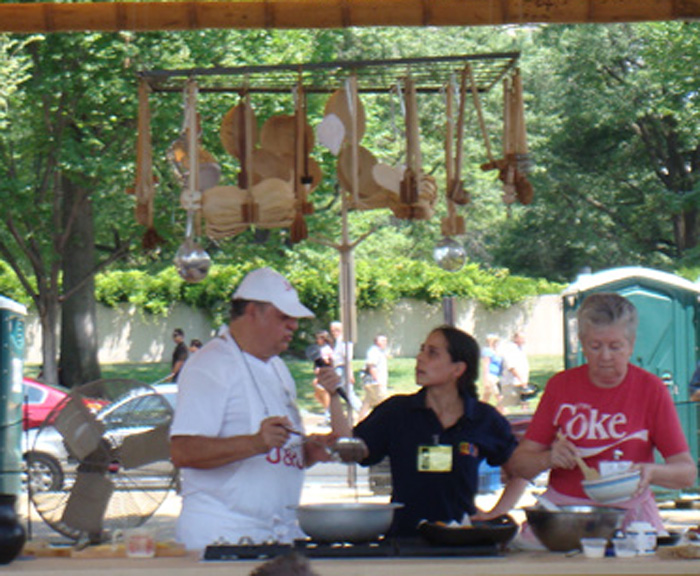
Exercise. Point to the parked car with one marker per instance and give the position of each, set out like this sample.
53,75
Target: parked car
50,466
38,401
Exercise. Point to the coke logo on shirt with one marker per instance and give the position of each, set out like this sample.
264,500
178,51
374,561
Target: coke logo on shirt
581,422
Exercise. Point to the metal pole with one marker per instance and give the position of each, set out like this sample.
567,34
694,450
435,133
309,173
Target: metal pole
448,310
347,305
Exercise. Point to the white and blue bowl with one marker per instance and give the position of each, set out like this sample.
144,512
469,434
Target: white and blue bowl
611,489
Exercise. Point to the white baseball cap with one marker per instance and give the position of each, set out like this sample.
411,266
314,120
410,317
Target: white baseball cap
266,285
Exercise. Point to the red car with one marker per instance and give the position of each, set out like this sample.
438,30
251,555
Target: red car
38,400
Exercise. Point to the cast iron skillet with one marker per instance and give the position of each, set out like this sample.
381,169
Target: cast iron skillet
498,531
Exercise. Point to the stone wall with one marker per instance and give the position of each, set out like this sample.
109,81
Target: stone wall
127,335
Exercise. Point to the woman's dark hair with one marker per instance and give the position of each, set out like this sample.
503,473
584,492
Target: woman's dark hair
462,347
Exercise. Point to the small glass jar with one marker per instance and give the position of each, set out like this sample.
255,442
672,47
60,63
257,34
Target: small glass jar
644,536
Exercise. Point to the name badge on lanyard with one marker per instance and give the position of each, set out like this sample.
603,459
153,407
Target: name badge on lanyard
436,458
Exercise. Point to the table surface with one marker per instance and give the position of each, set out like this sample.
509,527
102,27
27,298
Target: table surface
515,563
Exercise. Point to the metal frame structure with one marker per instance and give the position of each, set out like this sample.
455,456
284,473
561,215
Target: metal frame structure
430,74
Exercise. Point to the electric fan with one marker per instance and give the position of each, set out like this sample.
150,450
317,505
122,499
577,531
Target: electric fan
107,445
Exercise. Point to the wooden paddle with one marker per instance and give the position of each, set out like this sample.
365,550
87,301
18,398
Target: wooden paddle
302,178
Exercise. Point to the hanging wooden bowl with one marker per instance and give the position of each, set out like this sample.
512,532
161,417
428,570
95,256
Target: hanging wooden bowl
338,104
365,161
233,128
268,164
278,134
225,207
314,169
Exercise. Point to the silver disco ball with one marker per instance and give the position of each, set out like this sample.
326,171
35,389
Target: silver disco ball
449,254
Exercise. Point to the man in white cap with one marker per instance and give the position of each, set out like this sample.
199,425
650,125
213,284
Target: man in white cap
236,430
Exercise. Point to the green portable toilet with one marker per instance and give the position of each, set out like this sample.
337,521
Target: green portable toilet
12,317
667,337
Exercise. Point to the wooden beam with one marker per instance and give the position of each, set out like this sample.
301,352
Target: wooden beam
244,14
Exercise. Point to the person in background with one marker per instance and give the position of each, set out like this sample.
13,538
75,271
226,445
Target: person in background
515,373
694,387
195,345
342,356
179,354
606,412
375,375
491,370
325,346
237,433
435,438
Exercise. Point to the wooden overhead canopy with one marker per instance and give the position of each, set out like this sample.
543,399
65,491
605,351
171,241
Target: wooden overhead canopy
243,14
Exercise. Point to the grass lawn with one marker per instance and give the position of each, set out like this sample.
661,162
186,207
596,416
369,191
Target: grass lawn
401,378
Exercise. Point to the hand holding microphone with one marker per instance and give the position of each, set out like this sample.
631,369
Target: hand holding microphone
326,374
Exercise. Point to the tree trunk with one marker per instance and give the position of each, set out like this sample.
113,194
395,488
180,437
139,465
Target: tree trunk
48,316
79,346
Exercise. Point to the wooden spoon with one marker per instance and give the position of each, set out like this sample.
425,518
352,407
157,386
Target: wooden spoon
588,472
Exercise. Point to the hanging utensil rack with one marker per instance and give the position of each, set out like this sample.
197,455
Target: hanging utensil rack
373,76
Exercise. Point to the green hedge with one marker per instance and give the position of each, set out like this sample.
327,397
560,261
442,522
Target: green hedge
380,283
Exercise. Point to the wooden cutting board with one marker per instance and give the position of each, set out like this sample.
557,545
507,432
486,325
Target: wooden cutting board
45,550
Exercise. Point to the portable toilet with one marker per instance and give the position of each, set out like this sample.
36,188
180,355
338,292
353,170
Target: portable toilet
12,319
667,337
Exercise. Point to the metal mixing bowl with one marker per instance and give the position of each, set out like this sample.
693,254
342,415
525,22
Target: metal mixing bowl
346,521
562,531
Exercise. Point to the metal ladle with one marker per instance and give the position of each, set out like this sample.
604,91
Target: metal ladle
191,260
349,450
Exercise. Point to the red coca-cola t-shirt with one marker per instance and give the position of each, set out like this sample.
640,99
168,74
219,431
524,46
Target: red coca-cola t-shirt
634,418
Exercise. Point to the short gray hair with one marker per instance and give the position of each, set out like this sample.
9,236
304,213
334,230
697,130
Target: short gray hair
604,309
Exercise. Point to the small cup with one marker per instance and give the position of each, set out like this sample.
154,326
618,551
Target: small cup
593,547
140,543
644,535
625,547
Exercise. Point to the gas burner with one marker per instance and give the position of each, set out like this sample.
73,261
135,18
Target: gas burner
394,547
244,551
310,548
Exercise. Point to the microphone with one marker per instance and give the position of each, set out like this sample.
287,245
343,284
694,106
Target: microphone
313,353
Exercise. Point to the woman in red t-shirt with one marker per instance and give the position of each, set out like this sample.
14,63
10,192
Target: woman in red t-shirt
606,410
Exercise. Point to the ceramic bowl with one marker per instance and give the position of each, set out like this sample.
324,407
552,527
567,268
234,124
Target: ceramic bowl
611,489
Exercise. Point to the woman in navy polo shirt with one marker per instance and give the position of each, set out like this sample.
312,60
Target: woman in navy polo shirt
437,437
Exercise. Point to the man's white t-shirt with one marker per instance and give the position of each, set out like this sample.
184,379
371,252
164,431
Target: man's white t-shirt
224,392
377,357
514,358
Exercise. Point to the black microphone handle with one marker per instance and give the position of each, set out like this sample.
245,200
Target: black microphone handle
343,394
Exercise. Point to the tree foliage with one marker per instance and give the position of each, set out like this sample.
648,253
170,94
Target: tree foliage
617,144
612,114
